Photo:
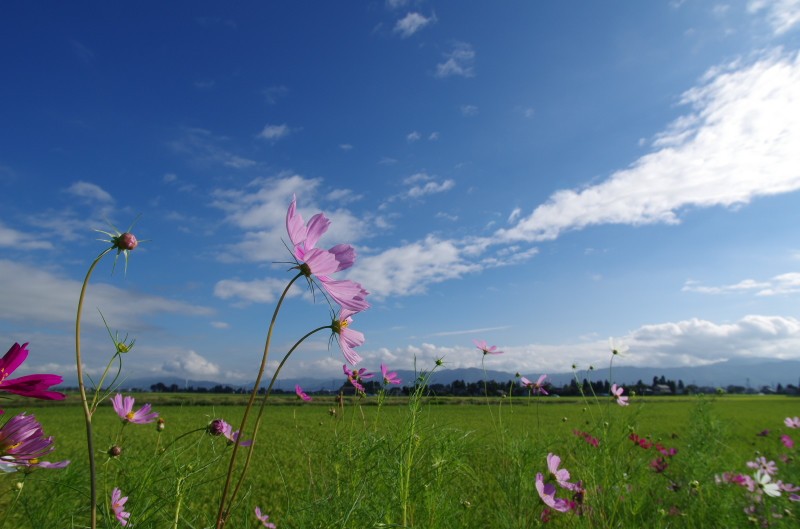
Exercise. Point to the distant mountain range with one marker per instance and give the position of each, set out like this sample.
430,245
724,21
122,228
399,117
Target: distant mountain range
747,373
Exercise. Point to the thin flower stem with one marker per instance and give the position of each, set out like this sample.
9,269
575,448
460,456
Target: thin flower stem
221,514
261,412
9,508
87,413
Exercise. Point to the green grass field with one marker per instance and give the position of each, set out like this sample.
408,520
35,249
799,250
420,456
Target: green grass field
451,463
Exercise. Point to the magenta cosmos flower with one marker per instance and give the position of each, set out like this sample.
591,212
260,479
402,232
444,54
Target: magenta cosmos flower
616,392
118,506
389,377
301,394
322,263
23,444
547,489
264,519
124,408
356,377
348,338
483,346
219,427
35,386
535,387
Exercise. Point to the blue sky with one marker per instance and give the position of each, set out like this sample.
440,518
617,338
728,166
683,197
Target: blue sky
541,175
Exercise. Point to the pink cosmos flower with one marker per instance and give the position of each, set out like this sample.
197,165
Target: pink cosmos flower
389,377
561,475
535,387
761,463
118,506
264,519
482,345
35,386
594,441
547,492
787,441
659,464
356,377
616,392
219,427
348,338
792,422
124,408
322,263
23,444
301,394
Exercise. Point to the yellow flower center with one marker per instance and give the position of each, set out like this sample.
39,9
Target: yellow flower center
129,416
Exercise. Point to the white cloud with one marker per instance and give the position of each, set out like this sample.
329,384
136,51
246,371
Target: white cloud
459,61
266,290
422,176
515,213
739,142
204,147
782,15
431,188
413,136
274,132
394,4
12,238
345,147
433,136
411,23
410,268
190,363
788,283
469,110
220,325
89,191
41,297
170,177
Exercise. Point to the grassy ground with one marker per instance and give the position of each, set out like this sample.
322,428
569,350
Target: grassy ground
448,463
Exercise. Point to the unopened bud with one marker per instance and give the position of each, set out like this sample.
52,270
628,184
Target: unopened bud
126,241
115,451
216,427
160,424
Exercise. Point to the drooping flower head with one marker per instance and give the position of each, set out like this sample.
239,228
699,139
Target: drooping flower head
535,387
792,422
219,427
35,386
23,443
547,492
301,394
389,377
322,263
483,346
264,519
124,408
616,392
118,506
347,337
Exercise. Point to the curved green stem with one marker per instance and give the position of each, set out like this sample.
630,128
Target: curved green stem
261,411
221,514
87,413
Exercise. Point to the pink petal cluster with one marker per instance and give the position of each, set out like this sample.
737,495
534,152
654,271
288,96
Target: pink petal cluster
761,463
356,377
389,377
118,506
219,427
35,386
347,337
321,263
264,519
535,387
616,392
483,346
594,441
23,444
124,408
302,395
547,489
792,422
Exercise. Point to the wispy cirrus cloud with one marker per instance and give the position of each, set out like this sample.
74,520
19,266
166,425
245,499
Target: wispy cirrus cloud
412,23
782,15
738,142
89,191
788,283
11,238
201,146
274,132
459,61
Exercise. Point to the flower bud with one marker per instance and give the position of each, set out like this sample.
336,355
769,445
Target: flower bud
115,451
216,427
126,241
160,424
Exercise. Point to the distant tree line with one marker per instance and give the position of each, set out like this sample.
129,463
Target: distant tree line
459,388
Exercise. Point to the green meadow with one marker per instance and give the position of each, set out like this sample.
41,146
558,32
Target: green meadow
425,463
